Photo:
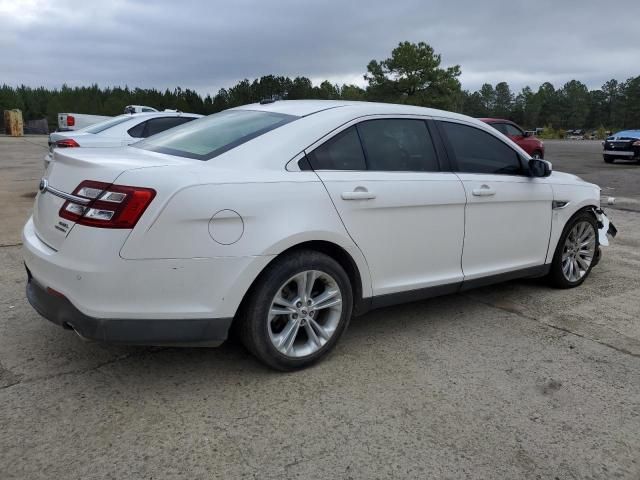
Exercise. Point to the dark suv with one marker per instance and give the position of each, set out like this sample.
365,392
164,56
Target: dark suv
624,144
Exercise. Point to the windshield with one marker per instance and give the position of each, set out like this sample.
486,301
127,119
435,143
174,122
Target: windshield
626,134
211,136
101,126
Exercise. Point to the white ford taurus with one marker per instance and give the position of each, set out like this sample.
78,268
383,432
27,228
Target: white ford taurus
288,217
117,131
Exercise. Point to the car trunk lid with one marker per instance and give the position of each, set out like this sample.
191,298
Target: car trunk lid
69,169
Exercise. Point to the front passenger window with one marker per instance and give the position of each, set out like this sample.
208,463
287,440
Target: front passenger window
501,127
514,131
477,151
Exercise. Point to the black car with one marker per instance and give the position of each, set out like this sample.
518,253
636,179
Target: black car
624,144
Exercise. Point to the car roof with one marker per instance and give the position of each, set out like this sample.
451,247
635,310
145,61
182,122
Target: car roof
494,120
159,114
318,119
303,108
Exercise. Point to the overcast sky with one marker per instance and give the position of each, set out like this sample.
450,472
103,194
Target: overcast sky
206,44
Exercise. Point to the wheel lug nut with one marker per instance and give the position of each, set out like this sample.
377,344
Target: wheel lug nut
299,304
309,302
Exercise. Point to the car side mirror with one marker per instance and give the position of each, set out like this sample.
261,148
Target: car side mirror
539,167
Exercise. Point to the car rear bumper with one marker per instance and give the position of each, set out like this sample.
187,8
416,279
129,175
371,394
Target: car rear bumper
196,332
88,270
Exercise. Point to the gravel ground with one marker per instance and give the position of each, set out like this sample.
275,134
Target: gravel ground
511,381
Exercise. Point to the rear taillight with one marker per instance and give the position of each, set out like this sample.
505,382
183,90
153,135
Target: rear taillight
67,143
110,206
70,121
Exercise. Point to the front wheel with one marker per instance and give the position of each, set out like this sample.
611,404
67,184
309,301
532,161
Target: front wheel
537,155
608,158
576,253
297,311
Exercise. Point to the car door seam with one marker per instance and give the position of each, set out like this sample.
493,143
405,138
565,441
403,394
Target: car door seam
464,225
346,229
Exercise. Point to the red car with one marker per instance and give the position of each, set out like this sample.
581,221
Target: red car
525,140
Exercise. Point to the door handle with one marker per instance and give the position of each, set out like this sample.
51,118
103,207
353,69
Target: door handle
359,193
484,191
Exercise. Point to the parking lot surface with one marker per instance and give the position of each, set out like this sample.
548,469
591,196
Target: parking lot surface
515,380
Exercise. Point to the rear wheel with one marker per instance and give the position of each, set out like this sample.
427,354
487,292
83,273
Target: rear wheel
576,253
608,158
297,311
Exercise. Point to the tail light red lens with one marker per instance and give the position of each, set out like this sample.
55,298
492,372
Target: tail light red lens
110,206
71,121
67,143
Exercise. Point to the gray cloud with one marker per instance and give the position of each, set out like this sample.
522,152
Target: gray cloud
206,45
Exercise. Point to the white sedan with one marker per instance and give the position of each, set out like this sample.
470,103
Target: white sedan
117,131
286,218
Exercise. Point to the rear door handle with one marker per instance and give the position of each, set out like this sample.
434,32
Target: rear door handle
484,191
359,193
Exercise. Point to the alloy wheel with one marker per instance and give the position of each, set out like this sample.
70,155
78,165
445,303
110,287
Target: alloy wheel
578,251
304,313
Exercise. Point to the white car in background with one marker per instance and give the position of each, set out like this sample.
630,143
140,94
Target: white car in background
117,131
68,122
139,109
287,218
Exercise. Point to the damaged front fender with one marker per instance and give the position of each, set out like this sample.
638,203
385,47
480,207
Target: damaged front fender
606,229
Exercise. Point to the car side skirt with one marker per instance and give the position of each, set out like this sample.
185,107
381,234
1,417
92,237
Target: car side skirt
529,272
380,301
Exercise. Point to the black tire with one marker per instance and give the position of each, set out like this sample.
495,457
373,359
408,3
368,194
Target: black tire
254,327
537,154
556,277
598,256
608,158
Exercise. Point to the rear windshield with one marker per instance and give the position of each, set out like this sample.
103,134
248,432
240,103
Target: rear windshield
211,136
102,126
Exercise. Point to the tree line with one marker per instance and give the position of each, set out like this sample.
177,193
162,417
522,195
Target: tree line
413,74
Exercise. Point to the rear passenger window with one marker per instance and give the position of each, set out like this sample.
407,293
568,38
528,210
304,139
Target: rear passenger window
477,151
398,145
342,152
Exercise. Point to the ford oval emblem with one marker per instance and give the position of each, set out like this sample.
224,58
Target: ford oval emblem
43,185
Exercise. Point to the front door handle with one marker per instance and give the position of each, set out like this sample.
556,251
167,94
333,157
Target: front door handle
484,191
359,193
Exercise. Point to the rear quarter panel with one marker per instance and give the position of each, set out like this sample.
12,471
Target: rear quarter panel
271,210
